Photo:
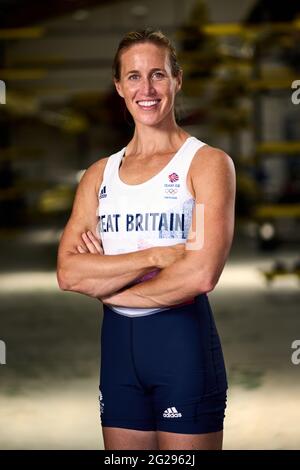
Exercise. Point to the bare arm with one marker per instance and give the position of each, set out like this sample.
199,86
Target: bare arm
199,269
93,273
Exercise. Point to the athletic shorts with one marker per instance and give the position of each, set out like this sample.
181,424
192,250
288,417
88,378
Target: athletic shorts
164,371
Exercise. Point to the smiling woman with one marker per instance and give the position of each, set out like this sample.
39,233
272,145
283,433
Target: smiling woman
129,243
143,86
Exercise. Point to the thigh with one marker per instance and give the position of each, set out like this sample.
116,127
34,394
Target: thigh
124,403
181,360
176,441
120,439
180,350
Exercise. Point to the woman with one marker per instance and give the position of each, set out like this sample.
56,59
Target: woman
149,234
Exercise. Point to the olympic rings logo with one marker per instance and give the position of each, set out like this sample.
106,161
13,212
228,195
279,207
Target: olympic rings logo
171,190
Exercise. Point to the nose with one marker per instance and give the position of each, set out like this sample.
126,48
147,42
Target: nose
147,87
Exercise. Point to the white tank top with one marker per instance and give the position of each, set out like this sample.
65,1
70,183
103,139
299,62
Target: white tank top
157,212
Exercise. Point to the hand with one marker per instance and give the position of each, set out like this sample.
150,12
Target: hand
91,244
166,255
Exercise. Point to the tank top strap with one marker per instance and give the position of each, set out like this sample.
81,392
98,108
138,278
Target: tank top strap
183,163
112,167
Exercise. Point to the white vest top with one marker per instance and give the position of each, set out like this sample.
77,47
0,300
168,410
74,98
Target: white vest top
157,212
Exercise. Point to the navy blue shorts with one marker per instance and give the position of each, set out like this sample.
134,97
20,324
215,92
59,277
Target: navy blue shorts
164,371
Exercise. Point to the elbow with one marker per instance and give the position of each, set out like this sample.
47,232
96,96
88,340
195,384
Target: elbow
63,280
67,282
209,286
205,283
66,274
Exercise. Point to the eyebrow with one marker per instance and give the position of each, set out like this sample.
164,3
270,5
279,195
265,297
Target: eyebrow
152,70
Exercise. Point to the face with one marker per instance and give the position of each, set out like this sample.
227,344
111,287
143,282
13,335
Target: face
146,83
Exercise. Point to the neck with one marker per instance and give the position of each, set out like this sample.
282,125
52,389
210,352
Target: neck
149,140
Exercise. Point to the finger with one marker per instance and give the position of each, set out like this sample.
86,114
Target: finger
80,249
95,241
90,246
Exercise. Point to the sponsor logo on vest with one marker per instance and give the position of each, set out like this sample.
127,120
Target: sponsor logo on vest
103,192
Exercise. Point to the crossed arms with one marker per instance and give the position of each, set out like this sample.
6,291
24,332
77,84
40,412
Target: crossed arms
184,271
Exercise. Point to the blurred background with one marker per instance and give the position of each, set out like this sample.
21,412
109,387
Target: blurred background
59,113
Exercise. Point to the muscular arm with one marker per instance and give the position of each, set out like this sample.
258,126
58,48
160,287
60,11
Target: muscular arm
95,274
213,178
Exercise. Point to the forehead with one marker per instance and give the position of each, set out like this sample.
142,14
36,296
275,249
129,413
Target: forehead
144,55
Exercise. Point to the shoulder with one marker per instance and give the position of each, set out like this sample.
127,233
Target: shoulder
211,159
212,171
92,177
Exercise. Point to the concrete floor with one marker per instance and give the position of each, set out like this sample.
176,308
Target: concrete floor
49,386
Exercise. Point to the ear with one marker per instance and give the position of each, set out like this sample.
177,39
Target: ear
119,88
179,82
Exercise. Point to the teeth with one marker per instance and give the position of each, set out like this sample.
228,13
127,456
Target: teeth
147,103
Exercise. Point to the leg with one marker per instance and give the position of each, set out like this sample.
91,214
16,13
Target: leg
121,438
190,392
126,413
175,441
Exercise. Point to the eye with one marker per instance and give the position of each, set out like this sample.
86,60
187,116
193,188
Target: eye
131,76
158,74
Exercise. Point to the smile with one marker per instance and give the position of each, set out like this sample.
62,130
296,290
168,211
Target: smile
148,104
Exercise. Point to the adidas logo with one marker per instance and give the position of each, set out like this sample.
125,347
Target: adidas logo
171,413
101,402
103,192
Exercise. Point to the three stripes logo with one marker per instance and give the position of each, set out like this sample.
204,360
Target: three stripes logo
101,402
171,413
103,192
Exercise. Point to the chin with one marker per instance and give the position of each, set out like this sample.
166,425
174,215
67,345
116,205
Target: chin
149,120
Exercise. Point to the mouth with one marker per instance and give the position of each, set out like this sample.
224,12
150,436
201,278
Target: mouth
148,104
